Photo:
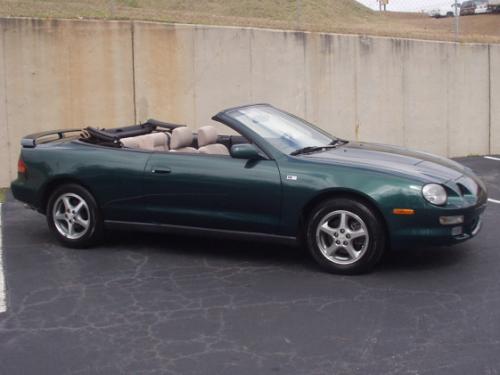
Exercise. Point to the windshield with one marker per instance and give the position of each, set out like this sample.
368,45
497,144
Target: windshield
285,132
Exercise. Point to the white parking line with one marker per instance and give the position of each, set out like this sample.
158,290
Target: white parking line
492,158
493,200
3,304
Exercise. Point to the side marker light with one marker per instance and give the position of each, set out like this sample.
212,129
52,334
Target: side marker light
403,211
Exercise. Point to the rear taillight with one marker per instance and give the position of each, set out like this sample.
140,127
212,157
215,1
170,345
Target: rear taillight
21,166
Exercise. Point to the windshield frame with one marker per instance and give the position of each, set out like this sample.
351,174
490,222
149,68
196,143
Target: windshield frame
228,118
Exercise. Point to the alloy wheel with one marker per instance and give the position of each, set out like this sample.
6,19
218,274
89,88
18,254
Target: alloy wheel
71,216
342,237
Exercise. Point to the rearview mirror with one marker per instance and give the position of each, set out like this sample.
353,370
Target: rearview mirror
245,151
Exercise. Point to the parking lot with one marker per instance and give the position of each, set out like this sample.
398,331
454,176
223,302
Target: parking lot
151,304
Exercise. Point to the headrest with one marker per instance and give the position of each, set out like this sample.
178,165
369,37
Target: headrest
207,135
181,137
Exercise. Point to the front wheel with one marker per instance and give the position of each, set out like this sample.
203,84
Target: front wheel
73,216
345,236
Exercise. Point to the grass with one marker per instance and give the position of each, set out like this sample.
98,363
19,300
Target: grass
3,192
341,16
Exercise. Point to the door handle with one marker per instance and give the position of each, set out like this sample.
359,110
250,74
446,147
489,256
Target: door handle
161,171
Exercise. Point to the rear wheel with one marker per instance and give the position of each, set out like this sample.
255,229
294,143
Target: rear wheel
345,236
73,216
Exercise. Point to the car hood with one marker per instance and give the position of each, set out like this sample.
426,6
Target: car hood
398,160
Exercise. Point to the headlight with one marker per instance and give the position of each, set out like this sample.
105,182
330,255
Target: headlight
435,194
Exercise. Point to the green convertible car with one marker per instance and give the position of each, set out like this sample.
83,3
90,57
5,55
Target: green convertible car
277,178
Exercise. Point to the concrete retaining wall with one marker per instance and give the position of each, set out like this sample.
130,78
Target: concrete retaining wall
436,96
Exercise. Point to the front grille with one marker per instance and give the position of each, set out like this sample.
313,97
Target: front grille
463,189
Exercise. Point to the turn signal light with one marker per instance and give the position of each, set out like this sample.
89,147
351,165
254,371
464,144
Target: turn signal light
403,211
21,166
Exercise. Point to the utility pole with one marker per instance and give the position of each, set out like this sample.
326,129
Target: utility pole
457,21
382,5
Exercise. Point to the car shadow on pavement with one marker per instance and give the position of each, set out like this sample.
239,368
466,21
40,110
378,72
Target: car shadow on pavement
199,246
423,258
265,253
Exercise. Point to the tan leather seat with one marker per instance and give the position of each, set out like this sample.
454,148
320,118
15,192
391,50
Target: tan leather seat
207,141
153,142
131,142
182,139
159,141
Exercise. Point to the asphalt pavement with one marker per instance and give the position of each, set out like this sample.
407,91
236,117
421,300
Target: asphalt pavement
161,304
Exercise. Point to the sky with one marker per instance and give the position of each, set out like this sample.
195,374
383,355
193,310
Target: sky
409,5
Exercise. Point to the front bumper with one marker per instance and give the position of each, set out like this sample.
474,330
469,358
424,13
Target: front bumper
425,229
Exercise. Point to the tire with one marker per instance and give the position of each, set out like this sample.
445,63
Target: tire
73,216
330,236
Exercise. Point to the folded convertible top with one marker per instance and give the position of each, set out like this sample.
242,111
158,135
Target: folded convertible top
113,136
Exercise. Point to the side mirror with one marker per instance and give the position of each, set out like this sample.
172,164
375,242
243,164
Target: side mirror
245,151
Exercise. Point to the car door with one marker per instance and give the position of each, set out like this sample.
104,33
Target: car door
213,191
114,175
